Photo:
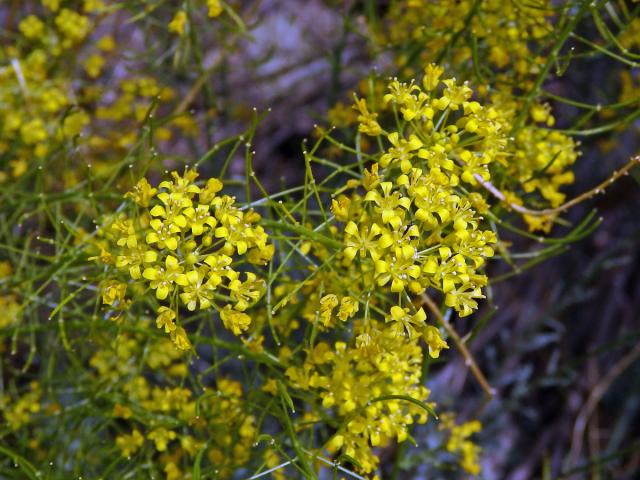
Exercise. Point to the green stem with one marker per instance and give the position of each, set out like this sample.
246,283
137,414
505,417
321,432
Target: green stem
564,35
304,232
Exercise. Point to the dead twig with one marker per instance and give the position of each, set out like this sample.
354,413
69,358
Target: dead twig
460,345
487,185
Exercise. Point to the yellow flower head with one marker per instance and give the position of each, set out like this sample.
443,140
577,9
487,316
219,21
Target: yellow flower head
178,22
434,341
215,8
235,321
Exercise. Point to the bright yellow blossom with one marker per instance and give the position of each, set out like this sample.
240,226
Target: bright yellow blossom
178,22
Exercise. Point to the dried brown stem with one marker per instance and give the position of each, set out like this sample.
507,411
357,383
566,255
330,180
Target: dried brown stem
460,345
565,206
197,86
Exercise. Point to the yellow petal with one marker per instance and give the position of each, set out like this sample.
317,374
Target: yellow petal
162,292
152,237
192,276
150,256
157,211
151,274
171,262
171,243
352,228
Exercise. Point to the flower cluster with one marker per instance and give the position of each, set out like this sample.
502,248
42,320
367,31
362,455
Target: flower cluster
363,383
224,426
459,443
413,223
540,159
187,243
57,90
37,92
19,410
504,32
9,304
414,228
509,41
170,419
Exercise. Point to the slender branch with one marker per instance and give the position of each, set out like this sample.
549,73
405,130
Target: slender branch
303,232
197,86
15,63
460,345
565,206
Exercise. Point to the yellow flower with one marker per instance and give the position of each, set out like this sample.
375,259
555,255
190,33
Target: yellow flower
198,218
368,123
180,339
397,269
403,322
195,289
52,5
162,278
219,268
371,177
74,123
348,308
18,167
183,186
165,234
142,193
5,269
173,472
215,8
106,43
33,132
9,310
113,292
340,208
432,74
261,255
72,25
129,444
31,27
463,298
132,259
273,460
247,292
161,437
235,321
178,22
327,304
208,193
121,411
401,152
388,204
91,6
93,65
225,210
454,95
459,442
434,341
361,240
165,319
